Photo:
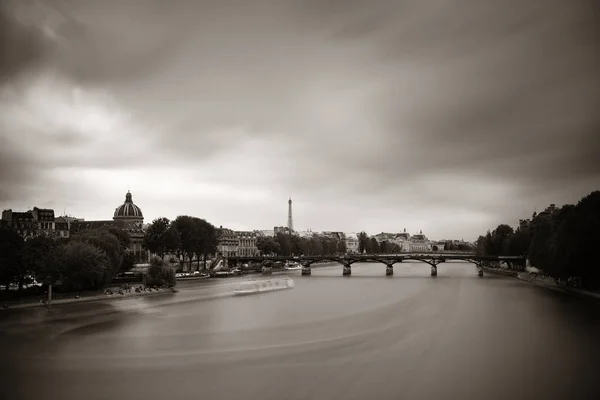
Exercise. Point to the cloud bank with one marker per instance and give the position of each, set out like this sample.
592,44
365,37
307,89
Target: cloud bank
448,117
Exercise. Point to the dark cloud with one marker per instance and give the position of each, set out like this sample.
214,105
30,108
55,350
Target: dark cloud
505,87
21,48
408,105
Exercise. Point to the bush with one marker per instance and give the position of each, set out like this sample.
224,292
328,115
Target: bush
159,274
128,262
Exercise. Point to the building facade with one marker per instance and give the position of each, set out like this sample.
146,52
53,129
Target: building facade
419,243
127,217
352,246
237,243
282,229
402,240
39,221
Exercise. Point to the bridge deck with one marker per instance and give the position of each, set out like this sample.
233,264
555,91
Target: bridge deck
381,258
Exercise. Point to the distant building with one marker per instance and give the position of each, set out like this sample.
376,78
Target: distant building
237,243
419,243
440,246
227,242
383,236
63,223
38,221
352,246
281,229
247,243
128,217
305,234
333,235
402,240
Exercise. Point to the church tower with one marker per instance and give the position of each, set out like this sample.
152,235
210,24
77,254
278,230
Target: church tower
290,223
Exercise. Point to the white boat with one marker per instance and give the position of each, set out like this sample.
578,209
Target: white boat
261,286
293,266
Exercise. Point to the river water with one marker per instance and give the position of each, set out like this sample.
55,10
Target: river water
409,336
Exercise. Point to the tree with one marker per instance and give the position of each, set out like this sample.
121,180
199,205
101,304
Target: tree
559,241
109,244
122,235
267,245
206,240
363,242
285,243
188,235
341,246
384,247
499,238
11,266
159,274
539,248
85,266
315,245
158,237
44,257
434,248
173,241
374,246
581,236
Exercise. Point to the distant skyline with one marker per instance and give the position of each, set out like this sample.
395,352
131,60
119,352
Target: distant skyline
446,117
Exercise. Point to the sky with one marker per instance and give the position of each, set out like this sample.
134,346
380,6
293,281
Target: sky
448,117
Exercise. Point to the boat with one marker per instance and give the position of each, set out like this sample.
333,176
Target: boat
294,266
260,286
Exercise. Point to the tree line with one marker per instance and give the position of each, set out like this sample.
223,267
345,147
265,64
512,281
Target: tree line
370,245
87,260
460,246
559,241
188,238
284,244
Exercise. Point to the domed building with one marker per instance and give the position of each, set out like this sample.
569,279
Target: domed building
129,212
128,217
131,218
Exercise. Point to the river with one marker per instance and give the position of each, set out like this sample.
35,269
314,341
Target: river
409,336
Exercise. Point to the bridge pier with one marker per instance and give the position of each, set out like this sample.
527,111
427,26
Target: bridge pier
434,270
389,269
347,271
306,270
479,270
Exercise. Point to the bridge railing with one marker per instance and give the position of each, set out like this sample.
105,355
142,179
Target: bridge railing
401,256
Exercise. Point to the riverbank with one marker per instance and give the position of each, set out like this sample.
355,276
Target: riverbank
38,301
546,282
83,297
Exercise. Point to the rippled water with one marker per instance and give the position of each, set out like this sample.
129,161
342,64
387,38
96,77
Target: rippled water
330,337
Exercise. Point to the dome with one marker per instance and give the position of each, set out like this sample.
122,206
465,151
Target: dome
128,210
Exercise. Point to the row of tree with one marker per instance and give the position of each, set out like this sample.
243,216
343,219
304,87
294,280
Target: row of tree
559,241
287,245
460,246
189,238
370,245
88,260
284,244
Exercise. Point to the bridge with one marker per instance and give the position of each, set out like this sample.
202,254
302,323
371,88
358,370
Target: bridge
387,259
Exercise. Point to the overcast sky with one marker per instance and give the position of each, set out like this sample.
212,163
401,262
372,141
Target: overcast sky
443,116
